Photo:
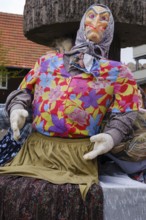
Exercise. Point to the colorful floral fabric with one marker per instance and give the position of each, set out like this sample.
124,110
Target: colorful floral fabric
74,106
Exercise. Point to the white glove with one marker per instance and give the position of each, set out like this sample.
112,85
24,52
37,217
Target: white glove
103,144
17,121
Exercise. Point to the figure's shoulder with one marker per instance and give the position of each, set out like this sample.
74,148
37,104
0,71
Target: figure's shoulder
111,63
116,67
51,55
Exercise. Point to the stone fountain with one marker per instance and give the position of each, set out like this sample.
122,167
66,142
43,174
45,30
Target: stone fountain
46,20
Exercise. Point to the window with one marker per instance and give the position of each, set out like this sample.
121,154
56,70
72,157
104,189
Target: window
3,81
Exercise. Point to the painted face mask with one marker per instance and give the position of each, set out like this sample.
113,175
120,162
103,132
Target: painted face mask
95,40
96,22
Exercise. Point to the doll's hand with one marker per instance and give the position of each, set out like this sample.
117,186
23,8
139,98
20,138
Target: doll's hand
17,121
103,144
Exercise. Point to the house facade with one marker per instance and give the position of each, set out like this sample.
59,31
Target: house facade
139,54
17,54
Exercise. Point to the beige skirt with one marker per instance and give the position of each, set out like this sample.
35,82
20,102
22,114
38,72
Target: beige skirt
57,160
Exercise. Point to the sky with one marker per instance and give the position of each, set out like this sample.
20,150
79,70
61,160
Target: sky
17,6
12,6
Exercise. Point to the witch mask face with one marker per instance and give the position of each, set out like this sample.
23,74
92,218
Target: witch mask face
96,22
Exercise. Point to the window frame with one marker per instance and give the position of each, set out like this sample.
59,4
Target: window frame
5,77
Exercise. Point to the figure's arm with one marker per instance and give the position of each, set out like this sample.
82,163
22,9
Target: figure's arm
120,126
17,105
125,107
124,112
19,101
117,129
5,120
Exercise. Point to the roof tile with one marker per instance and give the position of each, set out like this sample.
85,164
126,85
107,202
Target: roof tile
20,52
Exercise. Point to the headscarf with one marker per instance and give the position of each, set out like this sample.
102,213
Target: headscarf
83,45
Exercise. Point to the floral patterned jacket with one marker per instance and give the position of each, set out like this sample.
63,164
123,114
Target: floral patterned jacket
74,106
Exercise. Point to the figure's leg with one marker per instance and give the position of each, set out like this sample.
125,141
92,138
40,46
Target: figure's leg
29,198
